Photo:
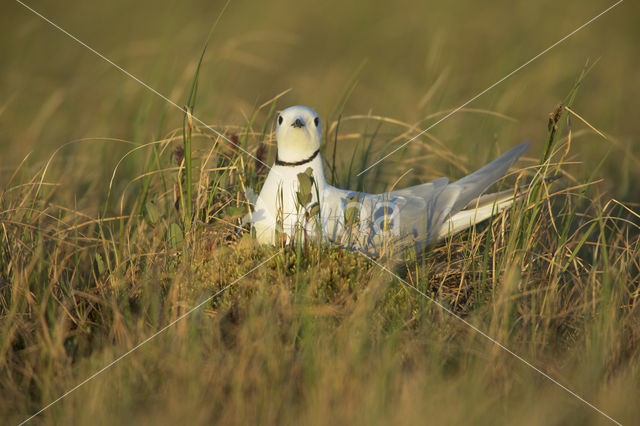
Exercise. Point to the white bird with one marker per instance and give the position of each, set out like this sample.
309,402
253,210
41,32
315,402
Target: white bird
297,201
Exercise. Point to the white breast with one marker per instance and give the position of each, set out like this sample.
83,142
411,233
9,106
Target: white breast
277,210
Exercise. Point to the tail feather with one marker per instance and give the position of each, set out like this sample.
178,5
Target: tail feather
477,182
470,207
478,210
483,207
495,198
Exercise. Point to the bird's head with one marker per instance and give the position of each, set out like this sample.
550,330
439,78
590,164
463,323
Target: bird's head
297,133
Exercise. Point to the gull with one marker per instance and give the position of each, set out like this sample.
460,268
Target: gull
296,201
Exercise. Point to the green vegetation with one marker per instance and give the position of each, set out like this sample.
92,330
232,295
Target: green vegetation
119,214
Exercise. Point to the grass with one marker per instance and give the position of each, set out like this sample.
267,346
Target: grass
105,241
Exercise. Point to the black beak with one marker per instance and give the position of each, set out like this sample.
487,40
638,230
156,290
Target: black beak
298,123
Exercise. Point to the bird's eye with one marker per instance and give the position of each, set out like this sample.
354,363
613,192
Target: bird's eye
316,121
279,119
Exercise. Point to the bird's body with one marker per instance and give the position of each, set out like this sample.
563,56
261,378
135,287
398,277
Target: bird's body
418,215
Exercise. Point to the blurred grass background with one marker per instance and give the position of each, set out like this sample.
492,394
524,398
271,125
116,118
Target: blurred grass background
414,59
404,61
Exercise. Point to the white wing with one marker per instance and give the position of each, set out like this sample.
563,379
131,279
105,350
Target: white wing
420,214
